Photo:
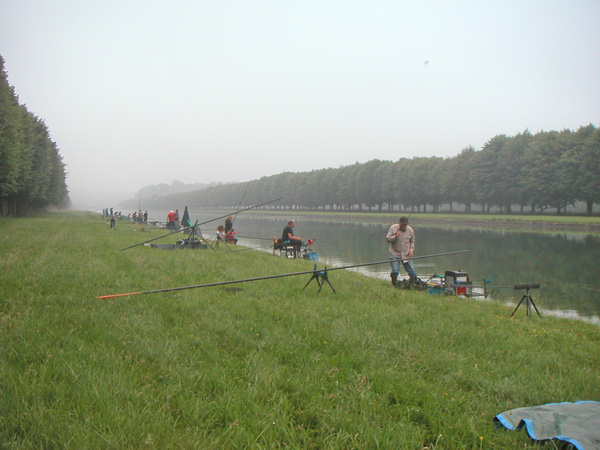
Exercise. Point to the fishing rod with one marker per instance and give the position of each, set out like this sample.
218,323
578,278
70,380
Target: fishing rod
160,237
310,241
244,249
242,199
254,237
269,277
590,289
492,286
235,217
203,223
140,202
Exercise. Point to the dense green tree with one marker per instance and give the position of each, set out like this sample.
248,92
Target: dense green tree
506,174
385,182
589,163
10,136
434,192
346,182
542,164
457,179
514,183
418,181
32,173
327,188
366,186
404,191
488,172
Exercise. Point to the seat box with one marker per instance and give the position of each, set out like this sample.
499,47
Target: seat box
454,277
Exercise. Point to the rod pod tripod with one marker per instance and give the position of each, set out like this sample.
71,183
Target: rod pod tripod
321,277
527,298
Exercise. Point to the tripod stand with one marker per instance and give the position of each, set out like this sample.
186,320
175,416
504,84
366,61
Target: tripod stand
195,239
321,277
527,298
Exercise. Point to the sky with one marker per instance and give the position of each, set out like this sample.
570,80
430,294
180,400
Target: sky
137,93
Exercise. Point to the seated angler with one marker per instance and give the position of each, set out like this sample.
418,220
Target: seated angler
221,233
288,235
231,236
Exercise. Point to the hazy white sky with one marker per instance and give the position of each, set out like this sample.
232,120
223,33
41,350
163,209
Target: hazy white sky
145,92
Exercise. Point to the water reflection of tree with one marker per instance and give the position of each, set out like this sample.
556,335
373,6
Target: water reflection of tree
559,263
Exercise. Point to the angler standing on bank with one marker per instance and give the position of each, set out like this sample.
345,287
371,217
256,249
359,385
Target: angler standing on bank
402,246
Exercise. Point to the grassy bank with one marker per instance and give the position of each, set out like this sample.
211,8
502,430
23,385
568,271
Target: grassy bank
256,365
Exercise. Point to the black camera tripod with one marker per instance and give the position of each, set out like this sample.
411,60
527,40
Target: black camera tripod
527,298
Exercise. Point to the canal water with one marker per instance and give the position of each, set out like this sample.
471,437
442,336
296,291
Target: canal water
564,264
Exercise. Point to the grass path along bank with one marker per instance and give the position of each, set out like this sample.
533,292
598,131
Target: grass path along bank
264,365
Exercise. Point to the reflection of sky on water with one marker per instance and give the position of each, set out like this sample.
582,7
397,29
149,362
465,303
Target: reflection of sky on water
560,262
572,314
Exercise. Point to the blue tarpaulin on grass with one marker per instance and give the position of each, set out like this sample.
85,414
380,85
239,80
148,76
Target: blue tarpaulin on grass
576,423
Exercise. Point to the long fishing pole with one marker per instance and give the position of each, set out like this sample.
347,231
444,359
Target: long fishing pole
311,241
242,199
257,238
140,202
203,223
397,259
492,286
241,210
590,289
235,217
486,286
269,277
244,249
160,237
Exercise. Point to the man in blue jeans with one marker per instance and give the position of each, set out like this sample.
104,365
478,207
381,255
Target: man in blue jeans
402,247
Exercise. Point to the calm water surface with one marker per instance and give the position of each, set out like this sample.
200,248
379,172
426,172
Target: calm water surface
560,262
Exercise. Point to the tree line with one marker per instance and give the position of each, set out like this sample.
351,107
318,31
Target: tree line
32,173
548,170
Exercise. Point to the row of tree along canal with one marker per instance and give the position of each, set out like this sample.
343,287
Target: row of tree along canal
527,172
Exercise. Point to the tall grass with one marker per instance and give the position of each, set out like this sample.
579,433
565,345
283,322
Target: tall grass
256,365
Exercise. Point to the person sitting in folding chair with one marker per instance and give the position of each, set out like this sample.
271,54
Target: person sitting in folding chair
231,237
288,238
288,234
221,233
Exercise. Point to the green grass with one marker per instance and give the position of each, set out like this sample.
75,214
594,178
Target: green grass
267,365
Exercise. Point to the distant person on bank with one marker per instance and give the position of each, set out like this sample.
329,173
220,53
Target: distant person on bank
228,224
171,220
402,247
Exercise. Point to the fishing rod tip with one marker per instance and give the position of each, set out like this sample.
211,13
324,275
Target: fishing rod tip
102,297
